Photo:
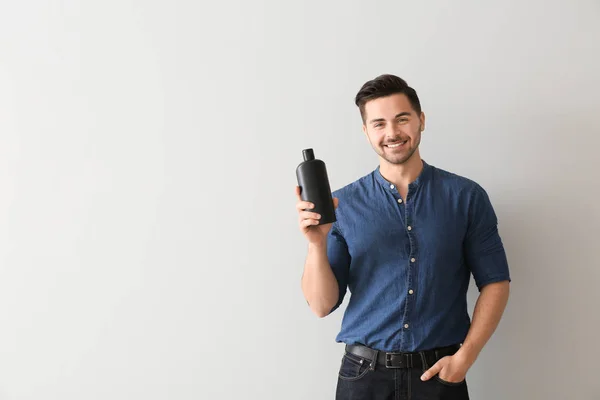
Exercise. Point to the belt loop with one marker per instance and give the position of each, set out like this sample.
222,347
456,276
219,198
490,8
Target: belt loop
374,361
424,361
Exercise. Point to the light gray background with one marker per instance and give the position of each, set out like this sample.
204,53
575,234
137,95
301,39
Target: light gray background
149,246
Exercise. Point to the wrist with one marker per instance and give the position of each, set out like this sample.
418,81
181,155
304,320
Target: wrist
467,354
318,246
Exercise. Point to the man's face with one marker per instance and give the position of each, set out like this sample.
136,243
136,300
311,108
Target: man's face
393,127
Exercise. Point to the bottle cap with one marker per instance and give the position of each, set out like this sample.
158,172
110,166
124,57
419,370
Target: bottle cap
308,154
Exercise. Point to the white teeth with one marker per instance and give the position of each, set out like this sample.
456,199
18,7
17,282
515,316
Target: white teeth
395,145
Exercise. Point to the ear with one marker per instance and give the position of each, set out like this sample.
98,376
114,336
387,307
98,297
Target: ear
422,119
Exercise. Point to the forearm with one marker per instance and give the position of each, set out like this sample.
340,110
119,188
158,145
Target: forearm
486,317
319,284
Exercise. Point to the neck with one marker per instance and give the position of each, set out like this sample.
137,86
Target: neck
402,175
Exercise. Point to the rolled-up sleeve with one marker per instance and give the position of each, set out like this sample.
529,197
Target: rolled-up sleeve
339,259
484,251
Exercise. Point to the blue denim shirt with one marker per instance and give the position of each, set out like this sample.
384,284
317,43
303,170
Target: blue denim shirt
407,264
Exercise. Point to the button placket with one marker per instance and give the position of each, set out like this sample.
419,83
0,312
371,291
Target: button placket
412,258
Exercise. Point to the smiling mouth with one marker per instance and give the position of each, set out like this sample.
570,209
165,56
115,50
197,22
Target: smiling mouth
396,145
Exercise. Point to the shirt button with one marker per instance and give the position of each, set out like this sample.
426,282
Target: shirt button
399,200
391,186
409,228
410,291
406,326
412,259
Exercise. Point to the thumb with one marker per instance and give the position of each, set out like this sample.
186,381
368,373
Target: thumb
431,372
336,201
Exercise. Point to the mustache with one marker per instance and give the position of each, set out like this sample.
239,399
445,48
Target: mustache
398,140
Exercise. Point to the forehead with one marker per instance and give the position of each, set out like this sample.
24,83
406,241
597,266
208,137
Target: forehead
388,107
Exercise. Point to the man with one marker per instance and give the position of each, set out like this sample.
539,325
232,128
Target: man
408,236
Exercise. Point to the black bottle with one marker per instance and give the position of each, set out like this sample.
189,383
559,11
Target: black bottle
314,186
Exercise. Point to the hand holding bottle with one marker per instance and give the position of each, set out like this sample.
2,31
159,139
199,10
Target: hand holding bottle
309,221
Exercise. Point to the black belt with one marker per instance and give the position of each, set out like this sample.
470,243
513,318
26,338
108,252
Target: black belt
402,360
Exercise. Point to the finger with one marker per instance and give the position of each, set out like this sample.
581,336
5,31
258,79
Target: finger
431,372
336,201
309,215
305,223
303,205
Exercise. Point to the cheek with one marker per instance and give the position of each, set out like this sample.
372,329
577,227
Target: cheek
377,136
414,132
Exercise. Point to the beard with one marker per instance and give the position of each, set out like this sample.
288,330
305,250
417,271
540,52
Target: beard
400,156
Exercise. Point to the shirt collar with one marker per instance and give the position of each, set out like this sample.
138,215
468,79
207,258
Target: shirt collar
423,176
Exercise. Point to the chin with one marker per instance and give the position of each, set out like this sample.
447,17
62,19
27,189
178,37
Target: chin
399,159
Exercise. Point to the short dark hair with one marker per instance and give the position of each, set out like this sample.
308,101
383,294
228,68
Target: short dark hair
383,86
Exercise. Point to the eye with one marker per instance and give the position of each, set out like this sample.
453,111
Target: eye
378,125
403,120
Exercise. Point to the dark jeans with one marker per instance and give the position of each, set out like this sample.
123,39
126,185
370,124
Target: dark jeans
357,381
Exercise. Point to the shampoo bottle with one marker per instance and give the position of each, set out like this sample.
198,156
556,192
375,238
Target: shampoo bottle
314,186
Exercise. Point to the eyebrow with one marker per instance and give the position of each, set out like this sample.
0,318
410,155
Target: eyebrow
402,114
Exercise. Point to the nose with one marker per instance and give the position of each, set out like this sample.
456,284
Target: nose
393,132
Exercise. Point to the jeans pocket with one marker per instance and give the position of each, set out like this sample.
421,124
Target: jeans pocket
353,367
446,383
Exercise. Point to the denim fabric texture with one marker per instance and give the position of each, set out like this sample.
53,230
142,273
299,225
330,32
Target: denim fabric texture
407,264
357,381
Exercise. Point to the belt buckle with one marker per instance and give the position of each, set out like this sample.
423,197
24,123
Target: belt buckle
388,359
405,360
